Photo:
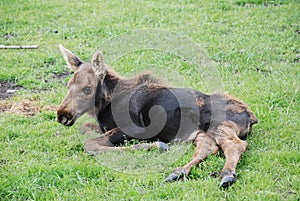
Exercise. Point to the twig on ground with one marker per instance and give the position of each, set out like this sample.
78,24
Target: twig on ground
19,47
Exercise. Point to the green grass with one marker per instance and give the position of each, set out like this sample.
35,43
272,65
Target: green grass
254,45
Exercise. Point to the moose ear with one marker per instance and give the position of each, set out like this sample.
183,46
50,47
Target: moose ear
72,60
98,65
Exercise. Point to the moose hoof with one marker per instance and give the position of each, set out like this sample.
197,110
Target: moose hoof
227,181
172,177
177,174
162,146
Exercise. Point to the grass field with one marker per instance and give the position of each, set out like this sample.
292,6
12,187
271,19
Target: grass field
255,45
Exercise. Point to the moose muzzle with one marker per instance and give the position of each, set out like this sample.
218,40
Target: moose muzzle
65,118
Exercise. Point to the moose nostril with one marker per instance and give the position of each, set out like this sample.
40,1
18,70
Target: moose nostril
64,117
64,120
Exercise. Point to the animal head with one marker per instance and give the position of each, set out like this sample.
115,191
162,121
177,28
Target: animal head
82,87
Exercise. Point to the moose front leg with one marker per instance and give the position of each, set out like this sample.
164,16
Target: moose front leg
104,143
113,137
89,128
205,145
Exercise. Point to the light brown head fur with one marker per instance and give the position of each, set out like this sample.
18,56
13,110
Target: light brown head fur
82,86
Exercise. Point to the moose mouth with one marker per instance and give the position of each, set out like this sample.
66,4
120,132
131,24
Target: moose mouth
67,122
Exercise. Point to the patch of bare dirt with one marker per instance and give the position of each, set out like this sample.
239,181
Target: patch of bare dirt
8,89
26,107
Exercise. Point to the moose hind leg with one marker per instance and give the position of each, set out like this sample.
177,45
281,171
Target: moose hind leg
205,145
233,149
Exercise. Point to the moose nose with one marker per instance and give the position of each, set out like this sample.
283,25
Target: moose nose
64,118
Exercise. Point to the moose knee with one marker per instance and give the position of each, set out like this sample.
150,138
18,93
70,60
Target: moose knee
90,146
97,144
89,128
243,145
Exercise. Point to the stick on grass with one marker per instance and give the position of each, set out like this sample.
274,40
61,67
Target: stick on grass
19,47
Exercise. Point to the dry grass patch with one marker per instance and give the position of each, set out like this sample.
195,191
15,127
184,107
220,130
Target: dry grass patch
30,106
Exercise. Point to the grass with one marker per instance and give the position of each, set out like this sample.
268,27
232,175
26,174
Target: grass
255,46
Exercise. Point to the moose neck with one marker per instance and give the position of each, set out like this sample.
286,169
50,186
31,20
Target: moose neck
105,91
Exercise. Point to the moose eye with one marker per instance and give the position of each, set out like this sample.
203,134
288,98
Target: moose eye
87,90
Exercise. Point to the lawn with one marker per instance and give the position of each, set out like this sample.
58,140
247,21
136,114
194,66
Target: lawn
249,48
